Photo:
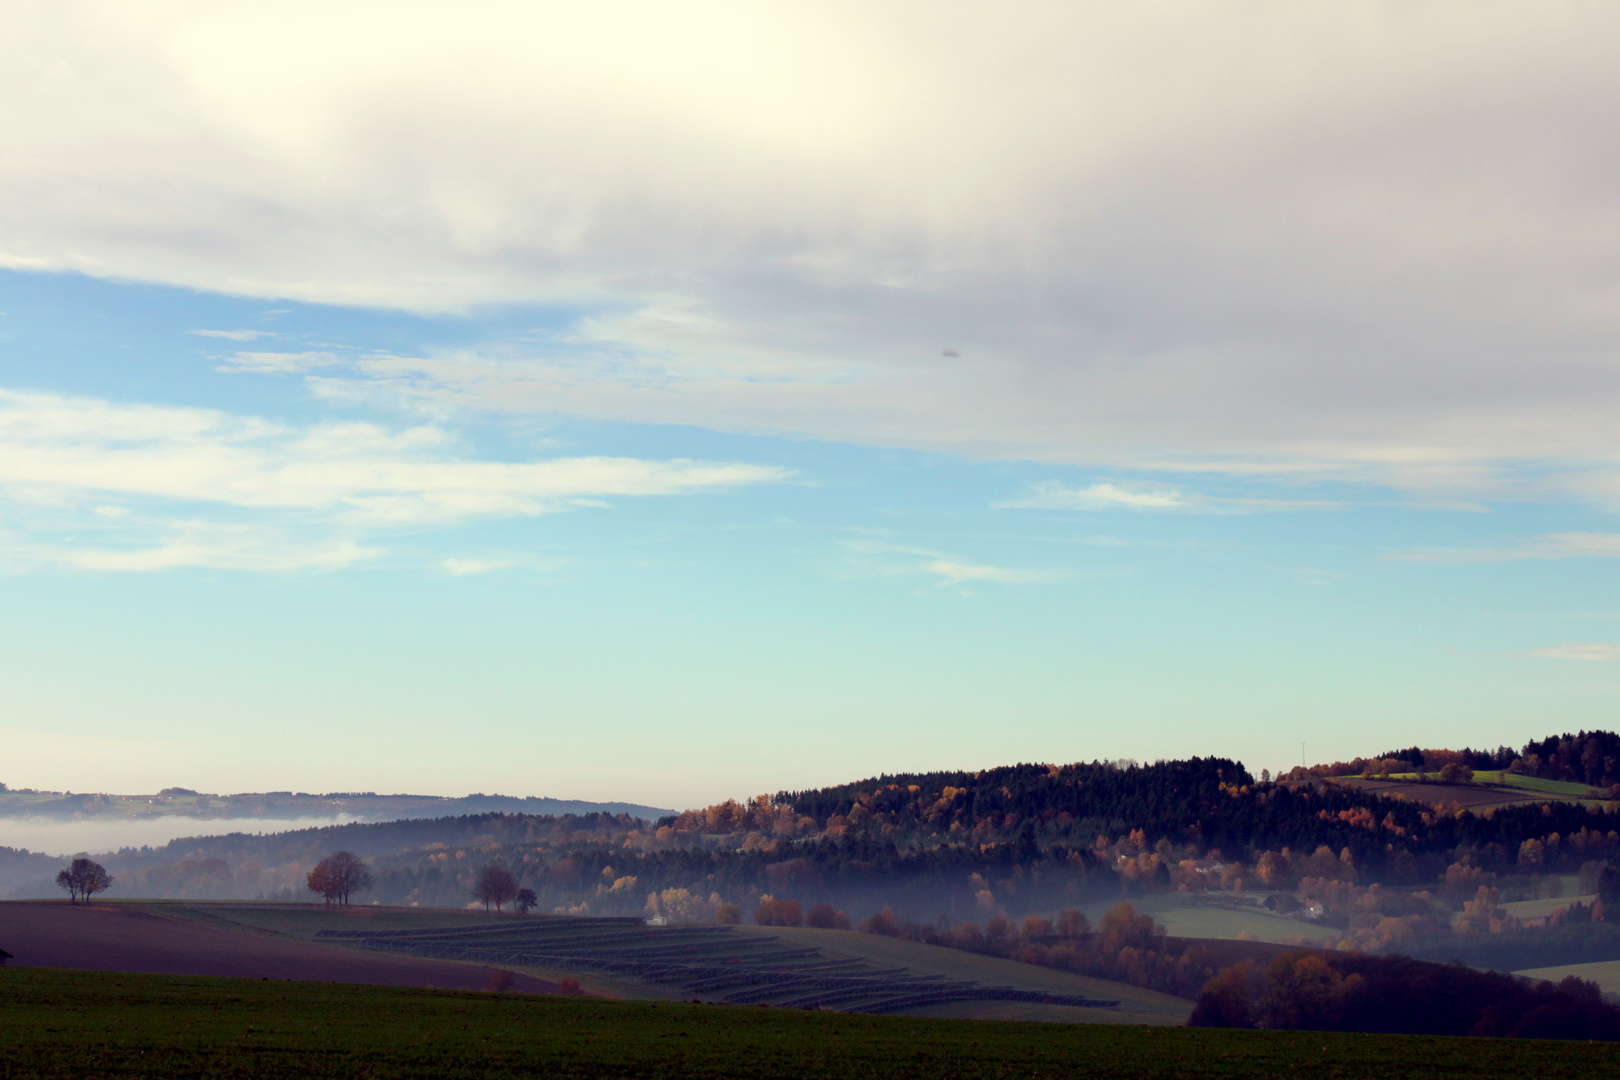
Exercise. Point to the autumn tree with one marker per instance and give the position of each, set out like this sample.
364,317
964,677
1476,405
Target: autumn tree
883,924
495,886
84,878
774,912
826,917
321,882
338,875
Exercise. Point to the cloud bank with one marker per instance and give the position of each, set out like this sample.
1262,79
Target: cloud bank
1372,242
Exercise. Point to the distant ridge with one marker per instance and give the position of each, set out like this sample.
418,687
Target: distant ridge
288,805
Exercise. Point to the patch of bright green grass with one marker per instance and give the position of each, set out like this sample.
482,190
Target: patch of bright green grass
116,1026
1565,788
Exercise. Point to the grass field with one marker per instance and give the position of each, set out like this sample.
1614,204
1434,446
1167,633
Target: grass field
1561,788
1538,909
1606,973
1183,918
122,1027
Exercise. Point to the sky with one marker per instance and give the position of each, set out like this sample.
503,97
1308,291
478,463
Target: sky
665,403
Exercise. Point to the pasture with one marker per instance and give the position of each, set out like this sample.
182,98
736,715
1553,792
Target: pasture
1190,916
1606,973
1488,791
1559,788
131,1027
1532,910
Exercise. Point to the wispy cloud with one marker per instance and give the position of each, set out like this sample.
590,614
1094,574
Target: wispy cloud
1108,495
1051,495
195,544
276,363
1587,650
891,560
955,572
233,335
1567,545
460,567
66,460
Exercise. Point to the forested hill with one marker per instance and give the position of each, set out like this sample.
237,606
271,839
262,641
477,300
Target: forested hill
1068,802
293,806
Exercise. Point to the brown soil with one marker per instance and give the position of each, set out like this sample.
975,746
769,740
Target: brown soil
114,937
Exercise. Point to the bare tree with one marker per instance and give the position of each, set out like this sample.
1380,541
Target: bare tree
84,878
338,875
495,885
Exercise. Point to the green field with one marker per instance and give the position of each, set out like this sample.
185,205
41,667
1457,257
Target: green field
1561,788
1606,973
116,1026
1536,909
1181,916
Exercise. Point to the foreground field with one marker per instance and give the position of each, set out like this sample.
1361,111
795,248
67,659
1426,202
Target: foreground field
115,1026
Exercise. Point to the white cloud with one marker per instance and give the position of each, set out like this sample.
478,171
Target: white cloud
1568,545
60,456
1370,241
1589,650
232,335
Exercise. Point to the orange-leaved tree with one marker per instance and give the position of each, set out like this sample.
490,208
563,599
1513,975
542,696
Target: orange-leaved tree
338,875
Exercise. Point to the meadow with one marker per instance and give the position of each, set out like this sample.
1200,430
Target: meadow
1566,789
114,1026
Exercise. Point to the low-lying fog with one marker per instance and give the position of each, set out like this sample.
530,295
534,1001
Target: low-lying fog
52,836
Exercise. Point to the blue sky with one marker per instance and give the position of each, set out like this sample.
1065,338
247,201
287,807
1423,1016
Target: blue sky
376,415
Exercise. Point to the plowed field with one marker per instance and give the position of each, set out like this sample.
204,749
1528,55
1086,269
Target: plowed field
118,937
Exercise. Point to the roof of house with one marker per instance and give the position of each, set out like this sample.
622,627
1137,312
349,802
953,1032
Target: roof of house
4,955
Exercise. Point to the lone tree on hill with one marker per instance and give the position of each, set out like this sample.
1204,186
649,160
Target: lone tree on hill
84,878
495,885
525,901
338,875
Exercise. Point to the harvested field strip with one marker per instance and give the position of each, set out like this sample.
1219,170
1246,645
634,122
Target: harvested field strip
710,961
